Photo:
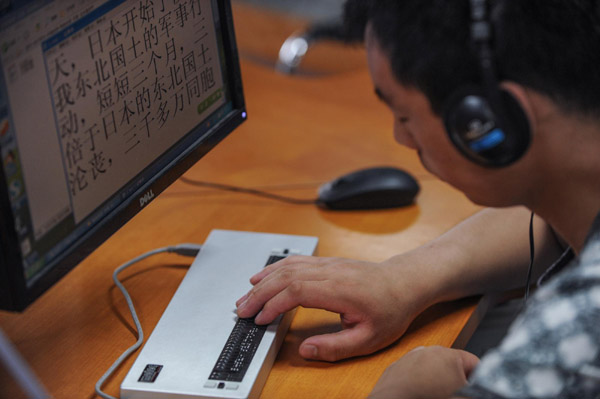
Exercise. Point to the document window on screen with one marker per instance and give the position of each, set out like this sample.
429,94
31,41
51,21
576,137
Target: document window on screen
97,98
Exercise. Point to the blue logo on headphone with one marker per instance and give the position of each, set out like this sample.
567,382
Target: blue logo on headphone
490,140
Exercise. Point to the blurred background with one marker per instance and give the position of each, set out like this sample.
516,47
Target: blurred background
296,37
311,9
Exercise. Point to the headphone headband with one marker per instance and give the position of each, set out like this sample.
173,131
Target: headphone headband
481,38
486,123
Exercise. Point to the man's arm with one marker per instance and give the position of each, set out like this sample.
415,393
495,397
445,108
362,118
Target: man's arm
488,252
377,301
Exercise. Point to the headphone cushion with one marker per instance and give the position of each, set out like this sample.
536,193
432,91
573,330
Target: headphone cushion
492,135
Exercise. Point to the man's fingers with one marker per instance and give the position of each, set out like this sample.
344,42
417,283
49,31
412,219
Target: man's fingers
290,260
469,361
336,346
282,278
251,303
310,294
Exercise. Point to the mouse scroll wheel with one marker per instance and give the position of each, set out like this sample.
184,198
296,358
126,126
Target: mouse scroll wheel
341,181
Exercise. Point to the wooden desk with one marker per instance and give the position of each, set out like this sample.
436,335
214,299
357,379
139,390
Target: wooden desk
300,133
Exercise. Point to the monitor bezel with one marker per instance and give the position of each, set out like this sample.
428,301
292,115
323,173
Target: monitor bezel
15,295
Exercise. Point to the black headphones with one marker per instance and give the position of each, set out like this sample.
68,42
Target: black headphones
487,124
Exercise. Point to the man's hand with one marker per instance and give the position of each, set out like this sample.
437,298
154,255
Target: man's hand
426,373
376,302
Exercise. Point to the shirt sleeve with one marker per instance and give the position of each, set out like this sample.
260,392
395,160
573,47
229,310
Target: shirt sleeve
552,350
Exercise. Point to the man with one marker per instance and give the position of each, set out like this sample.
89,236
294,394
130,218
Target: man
537,62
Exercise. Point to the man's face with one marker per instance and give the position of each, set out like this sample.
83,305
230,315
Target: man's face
417,127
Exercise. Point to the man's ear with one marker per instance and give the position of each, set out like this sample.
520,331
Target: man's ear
521,94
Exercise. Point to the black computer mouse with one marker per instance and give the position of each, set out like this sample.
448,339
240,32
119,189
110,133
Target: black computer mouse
372,188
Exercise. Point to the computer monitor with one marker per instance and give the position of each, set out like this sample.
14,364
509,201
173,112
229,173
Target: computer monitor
103,104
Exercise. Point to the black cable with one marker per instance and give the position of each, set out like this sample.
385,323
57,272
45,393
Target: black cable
251,191
531,256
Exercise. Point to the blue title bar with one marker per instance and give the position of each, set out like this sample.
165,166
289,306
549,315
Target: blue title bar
81,23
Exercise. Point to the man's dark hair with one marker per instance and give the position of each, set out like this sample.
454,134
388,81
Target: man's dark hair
551,46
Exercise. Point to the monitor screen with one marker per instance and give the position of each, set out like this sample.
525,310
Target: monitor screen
102,105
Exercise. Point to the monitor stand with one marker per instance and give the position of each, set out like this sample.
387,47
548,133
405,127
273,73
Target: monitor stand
20,371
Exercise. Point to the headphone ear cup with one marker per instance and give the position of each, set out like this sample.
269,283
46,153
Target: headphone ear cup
488,134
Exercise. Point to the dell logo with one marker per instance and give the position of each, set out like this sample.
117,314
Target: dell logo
149,196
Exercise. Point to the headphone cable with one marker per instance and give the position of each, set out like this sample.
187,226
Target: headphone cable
531,257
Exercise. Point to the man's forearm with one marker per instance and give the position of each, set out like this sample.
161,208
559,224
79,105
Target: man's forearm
489,252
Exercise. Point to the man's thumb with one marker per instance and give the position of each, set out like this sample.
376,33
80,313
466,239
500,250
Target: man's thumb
335,346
